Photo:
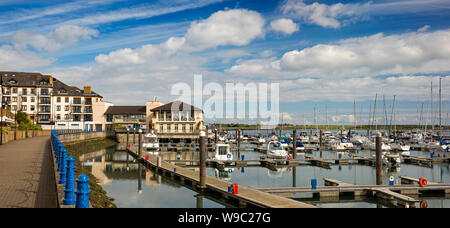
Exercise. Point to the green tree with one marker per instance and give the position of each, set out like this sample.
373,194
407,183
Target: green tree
22,118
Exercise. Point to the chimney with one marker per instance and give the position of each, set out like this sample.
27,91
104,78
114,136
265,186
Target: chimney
87,89
50,80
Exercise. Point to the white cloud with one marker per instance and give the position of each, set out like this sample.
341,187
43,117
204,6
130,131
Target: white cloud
56,40
424,28
236,27
12,59
283,25
408,53
324,15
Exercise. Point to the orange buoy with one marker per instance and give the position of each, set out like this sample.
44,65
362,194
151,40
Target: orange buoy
424,204
423,182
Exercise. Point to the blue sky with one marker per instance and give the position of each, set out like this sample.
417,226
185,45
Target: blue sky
323,53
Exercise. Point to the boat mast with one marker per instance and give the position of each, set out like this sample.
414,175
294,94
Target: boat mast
440,105
370,119
432,111
375,112
354,113
392,114
385,114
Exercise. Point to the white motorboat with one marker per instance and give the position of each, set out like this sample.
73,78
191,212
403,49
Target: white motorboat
223,152
276,150
150,143
403,148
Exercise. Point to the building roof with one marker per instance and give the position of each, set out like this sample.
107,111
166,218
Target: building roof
176,106
61,89
24,79
126,110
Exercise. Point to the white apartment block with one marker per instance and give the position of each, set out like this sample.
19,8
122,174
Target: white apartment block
52,104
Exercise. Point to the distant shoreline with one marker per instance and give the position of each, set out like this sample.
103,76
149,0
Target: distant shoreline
329,127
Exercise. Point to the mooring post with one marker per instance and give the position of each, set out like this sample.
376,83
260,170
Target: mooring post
215,135
199,201
239,143
69,197
379,162
128,132
202,161
82,192
294,144
320,138
140,144
134,135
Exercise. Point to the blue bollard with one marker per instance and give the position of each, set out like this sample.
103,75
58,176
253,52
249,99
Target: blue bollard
69,197
432,154
174,170
62,172
340,156
82,192
313,184
242,157
229,188
242,170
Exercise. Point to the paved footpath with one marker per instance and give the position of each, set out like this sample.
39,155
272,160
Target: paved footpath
27,178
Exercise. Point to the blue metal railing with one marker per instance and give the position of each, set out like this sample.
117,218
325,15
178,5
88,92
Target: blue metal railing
66,169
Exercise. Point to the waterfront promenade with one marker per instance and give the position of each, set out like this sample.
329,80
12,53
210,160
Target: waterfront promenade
27,177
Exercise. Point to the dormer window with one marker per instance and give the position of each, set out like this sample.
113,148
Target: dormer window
12,81
62,91
43,82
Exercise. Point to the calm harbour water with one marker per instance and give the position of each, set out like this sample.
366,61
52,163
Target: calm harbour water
119,175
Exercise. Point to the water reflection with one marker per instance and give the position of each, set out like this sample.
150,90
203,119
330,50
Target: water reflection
132,185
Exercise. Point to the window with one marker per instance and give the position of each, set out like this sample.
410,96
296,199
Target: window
66,108
33,99
44,91
176,127
58,99
33,91
14,99
222,150
14,90
183,127
58,108
168,128
23,108
14,107
32,107
66,116
58,117
24,99
161,128
67,100
191,127
24,91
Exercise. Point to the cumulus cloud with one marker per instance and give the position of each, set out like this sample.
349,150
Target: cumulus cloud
236,27
408,53
283,25
56,40
12,59
424,28
324,15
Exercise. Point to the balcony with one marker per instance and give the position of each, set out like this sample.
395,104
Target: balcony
44,111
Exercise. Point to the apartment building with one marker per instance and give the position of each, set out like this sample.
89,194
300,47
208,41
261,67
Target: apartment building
177,117
50,103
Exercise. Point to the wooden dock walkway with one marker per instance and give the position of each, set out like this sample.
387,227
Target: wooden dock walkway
401,194
246,196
